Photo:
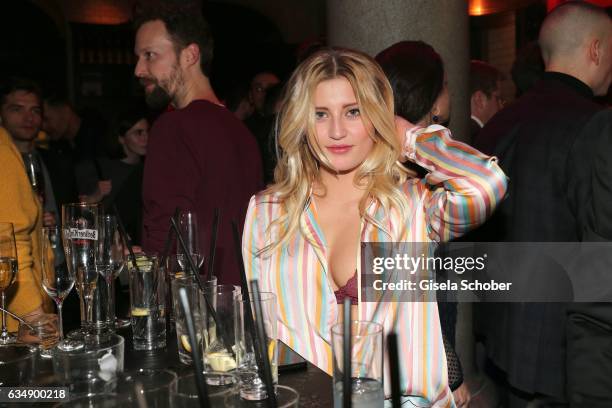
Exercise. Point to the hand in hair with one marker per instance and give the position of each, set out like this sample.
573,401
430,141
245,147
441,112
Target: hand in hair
401,126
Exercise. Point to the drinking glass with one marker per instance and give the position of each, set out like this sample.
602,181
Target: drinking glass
80,231
366,364
8,272
151,387
220,331
110,261
225,394
34,172
42,329
147,302
193,295
57,280
188,226
252,387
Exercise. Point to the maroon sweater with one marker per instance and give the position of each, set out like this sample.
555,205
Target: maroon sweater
200,158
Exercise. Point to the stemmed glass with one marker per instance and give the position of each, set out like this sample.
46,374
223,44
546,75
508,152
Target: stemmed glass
188,225
80,233
110,260
57,280
8,272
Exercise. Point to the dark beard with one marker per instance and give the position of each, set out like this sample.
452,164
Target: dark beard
158,98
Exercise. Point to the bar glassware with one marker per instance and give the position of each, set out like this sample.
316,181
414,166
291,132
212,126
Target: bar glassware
110,262
147,302
366,364
188,225
8,274
220,334
193,293
252,387
80,233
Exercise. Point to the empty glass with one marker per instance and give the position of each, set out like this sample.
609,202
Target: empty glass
8,272
80,233
366,364
42,330
252,387
57,280
110,262
188,226
147,302
17,363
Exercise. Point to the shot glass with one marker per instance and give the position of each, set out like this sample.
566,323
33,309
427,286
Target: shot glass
366,368
42,330
147,301
252,387
219,305
182,338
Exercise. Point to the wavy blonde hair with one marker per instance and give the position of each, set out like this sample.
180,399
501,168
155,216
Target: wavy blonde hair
300,154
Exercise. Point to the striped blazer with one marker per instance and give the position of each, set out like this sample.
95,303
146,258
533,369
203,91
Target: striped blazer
460,191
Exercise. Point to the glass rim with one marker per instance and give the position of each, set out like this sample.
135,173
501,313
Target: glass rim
263,297
29,354
295,397
338,328
80,204
223,288
132,376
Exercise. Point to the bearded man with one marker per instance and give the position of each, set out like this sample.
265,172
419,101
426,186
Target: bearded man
200,156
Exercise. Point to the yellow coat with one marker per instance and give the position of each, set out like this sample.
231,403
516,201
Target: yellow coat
19,205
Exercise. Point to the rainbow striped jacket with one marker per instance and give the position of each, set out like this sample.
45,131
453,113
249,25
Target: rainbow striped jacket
460,191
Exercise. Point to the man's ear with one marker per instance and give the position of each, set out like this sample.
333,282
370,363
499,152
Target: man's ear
594,51
190,55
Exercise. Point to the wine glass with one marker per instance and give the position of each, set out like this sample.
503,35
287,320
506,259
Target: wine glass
110,260
57,280
8,272
188,226
80,233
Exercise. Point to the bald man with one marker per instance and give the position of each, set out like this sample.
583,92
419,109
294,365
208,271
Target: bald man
547,143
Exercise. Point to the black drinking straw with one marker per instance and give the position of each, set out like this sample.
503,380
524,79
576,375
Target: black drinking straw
209,308
126,238
195,352
346,355
263,341
396,395
213,245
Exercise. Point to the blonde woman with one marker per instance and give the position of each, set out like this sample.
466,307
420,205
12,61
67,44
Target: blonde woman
338,182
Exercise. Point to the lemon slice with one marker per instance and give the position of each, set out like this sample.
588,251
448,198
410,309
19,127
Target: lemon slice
185,343
221,362
271,349
140,311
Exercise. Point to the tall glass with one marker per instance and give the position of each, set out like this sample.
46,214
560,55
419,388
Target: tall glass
193,295
252,387
366,364
8,272
188,225
57,280
80,230
110,261
147,302
220,331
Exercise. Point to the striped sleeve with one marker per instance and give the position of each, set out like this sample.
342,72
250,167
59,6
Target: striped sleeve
252,241
463,184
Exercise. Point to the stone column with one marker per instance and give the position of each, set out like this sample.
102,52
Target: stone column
371,26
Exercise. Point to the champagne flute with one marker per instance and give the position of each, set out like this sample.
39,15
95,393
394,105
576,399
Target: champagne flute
80,233
57,280
8,272
188,225
111,260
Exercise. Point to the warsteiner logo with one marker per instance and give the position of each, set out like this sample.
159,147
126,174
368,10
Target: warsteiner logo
83,234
